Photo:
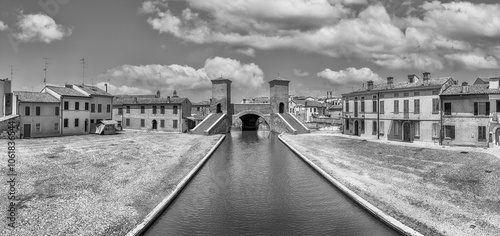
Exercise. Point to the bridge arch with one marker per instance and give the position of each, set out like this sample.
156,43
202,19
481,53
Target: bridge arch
251,120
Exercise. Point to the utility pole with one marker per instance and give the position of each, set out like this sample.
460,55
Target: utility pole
45,59
82,61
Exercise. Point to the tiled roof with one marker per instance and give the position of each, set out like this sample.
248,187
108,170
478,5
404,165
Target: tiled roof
405,84
66,91
138,96
473,89
24,96
203,103
93,90
142,100
308,103
481,81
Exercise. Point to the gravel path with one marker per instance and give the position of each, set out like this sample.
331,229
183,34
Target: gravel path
97,185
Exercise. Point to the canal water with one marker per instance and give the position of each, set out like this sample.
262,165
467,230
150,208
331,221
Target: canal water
254,185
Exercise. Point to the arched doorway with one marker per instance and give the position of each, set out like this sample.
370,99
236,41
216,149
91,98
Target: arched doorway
86,124
356,128
155,124
407,132
219,108
282,108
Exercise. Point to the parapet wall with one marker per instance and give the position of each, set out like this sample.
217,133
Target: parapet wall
264,108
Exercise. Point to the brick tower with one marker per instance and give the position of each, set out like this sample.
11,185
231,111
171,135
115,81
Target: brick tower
279,95
221,96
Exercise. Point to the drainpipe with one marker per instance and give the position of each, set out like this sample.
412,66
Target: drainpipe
441,130
61,125
378,115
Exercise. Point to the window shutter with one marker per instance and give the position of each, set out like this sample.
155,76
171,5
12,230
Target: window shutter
452,132
476,108
487,108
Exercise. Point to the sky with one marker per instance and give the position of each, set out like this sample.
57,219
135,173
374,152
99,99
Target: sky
139,47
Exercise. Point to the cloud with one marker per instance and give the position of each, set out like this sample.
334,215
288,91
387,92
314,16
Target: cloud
3,26
350,75
124,89
147,78
474,61
246,51
300,73
39,28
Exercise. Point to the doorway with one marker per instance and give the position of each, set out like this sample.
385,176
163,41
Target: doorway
282,108
155,124
86,125
219,108
497,136
406,132
356,128
27,131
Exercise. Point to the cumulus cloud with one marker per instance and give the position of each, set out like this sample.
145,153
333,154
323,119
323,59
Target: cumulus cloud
300,73
124,89
390,33
147,78
40,28
246,51
3,26
474,61
350,75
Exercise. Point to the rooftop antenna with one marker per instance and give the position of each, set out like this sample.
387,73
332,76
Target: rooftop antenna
45,59
82,61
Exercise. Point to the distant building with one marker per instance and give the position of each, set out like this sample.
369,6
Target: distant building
101,103
153,113
39,114
252,100
306,108
5,97
405,111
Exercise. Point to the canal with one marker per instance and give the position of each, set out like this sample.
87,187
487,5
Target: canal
254,185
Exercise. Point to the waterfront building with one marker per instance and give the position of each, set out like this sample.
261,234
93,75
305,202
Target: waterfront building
101,103
39,114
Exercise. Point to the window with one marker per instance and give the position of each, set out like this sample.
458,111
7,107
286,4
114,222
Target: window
56,126
66,105
381,128
127,122
481,136
396,95
374,132
27,111
382,108
77,122
346,106
449,132
416,94
315,110
374,106
142,109
435,130
362,105
396,107
143,122
447,108
175,109
406,106
174,124
198,109
86,106
435,92
99,108
406,94
416,106
162,123
120,111
154,109
435,106
92,107
108,108
482,108
56,111
417,129
92,121
37,111
162,109
38,127
128,109
381,96
396,128
77,106
66,123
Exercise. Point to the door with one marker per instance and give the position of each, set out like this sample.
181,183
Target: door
497,136
356,128
355,109
282,108
27,130
219,108
155,124
86,125
407,132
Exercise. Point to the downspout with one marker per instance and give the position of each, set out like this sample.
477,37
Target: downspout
61,125
441,130
378,115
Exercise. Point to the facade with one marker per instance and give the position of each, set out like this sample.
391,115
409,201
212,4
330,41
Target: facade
39,114
153,113
406,111
306,109
5,97
75,109
200,109
101,103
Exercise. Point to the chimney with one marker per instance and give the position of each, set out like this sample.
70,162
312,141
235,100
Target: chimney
158,93
135,99
106,87
427,76
495,83
168,98
370,84
411,78
465,87
390,81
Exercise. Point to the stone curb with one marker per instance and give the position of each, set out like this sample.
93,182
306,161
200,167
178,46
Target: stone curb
390,221
158,210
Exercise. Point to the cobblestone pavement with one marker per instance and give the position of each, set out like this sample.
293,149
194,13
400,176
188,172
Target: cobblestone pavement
495,150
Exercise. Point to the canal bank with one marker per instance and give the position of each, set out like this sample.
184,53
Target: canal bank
253,185
397,225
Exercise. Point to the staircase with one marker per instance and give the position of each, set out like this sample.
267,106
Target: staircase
208,122
295,123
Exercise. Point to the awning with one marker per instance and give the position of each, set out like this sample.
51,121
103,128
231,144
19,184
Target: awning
109,122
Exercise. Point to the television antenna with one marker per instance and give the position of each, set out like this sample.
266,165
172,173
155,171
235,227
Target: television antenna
82,61
45,59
